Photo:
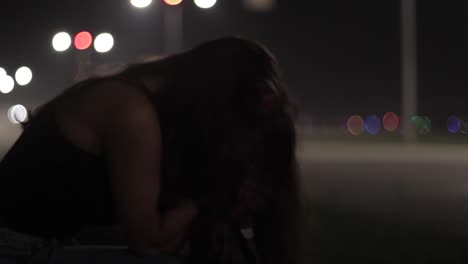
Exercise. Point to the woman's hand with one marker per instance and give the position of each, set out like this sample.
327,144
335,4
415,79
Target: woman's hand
175,226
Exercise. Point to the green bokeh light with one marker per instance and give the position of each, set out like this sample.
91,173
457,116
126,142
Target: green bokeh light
422,124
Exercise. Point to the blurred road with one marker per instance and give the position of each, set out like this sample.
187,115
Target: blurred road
385,203
425,183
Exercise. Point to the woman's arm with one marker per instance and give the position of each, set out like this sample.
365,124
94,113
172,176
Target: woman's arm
131,141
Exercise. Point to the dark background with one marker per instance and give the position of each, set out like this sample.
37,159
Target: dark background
340,57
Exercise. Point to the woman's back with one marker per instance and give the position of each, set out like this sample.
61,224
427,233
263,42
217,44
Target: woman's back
53,181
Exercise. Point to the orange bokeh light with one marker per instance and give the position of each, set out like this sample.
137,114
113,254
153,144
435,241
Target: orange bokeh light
355,125
173,2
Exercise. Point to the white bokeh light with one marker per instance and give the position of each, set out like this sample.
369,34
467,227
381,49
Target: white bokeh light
17,114
6,84
205,3
104,42
61,41
2,72
141,3
23,76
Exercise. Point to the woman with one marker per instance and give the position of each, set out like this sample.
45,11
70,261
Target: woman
198,146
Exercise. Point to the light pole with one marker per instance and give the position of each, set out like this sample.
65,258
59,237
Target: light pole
409,67
83,65
172,23
173,27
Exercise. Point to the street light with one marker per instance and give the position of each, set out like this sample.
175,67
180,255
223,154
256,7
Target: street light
17,114
141,3
23,76
173,2
2,71
103,42
61,41
205,3
7,84
83,40
173,21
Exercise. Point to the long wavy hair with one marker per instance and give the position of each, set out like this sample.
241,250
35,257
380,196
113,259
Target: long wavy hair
226,114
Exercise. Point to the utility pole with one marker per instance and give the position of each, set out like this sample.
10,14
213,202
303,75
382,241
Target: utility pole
409,67
173,28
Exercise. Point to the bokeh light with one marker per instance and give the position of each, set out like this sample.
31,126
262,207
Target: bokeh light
464,125
173,2
17,114
23,76
103,42
2,72
373,125
391,121
427,125
61,41
355,125
141,3
454,124
422,124
260,5
83,40
205,3
7,84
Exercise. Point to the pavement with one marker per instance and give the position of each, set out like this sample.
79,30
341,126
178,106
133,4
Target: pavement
384,203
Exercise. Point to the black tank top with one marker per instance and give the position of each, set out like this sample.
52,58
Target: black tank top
51,188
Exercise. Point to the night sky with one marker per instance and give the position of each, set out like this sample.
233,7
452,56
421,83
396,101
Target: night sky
339,57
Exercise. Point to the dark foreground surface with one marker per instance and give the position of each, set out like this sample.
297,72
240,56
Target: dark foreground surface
385,203
378,203
344,236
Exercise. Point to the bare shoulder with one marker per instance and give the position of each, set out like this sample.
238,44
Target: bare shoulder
122,108
103,109
117,99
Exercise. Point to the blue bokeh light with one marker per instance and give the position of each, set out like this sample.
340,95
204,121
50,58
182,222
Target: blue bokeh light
454,124
373,124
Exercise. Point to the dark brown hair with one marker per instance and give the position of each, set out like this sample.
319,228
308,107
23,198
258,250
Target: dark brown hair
226,113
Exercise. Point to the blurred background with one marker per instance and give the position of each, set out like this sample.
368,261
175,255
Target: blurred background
381,87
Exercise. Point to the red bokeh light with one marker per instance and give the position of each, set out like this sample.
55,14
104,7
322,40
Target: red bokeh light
391,121
173,2
83,40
